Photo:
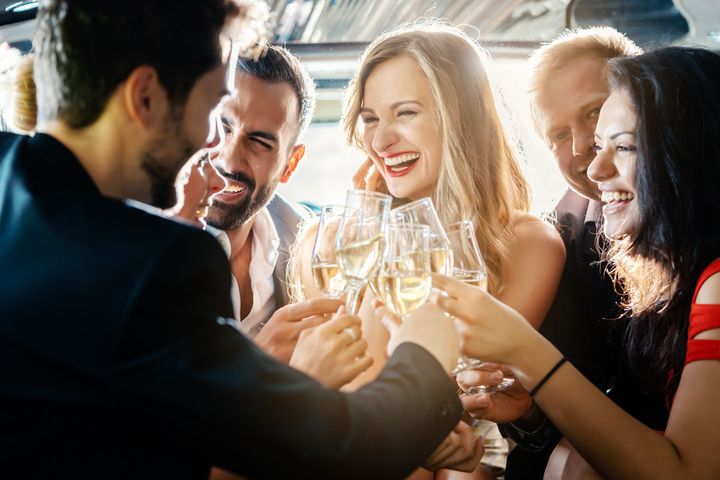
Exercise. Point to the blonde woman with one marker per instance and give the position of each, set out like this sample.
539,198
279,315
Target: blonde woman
421,106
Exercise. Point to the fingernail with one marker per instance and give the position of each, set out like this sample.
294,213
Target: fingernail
497,375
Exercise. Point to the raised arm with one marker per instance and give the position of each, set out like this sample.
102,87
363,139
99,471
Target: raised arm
688,448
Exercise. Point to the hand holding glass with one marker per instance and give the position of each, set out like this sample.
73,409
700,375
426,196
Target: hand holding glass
470,268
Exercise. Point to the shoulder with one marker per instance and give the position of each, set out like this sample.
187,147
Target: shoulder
536,236
709,292
286,216
282,209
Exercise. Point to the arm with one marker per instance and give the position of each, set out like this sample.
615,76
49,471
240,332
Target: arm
247,412
688,448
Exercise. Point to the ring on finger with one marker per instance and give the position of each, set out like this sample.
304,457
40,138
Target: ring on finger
351,333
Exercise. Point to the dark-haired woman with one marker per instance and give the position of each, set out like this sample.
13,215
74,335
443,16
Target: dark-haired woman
658,166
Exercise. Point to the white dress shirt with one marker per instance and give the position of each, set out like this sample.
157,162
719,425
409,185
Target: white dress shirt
263,257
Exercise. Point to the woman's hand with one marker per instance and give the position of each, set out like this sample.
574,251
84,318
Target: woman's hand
332,353
367,177
488,328
500,407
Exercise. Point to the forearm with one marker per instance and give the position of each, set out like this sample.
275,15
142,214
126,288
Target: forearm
606,436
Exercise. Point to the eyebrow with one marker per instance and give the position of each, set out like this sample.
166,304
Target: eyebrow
394,105
615,135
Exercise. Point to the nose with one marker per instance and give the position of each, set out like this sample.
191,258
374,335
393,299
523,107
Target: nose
383,137
602,167
215,182
583,141
216,134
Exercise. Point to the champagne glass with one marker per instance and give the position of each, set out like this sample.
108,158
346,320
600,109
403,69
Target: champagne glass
470,268
360,240
326,272
403,279
423,212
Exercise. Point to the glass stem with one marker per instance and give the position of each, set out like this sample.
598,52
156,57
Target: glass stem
353,295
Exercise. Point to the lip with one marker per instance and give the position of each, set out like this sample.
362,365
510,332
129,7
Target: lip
402,172
226,196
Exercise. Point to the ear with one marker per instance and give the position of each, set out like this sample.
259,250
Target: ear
144,97
298,152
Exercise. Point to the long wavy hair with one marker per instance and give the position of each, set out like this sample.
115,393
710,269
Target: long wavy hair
675,94
480,176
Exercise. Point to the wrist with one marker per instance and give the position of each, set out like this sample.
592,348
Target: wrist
534,360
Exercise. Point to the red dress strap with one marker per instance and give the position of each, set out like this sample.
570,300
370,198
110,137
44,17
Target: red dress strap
703,317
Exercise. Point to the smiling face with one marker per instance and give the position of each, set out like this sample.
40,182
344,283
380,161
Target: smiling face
400,132
567,113
261,126
614,166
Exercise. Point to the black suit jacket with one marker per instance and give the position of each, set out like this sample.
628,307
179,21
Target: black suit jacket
116,360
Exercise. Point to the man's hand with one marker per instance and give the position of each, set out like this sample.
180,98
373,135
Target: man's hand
499,407
280,334
459,451
332,353
426,326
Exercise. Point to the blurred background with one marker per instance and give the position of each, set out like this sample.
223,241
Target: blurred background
329,35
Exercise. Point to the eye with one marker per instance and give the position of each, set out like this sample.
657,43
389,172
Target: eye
227,126
369,119
593,114
262,143
406,113
625,148
596,147
560,136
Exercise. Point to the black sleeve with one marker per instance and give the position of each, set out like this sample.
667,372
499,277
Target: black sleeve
255,416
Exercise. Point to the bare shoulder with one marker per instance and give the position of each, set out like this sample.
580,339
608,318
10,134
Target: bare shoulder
535,235
709,292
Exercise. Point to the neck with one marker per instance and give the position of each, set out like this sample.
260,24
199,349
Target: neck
239,236
104,152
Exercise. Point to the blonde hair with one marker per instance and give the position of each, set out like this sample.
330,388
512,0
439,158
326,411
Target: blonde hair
297,260
24,103
602,43
480,177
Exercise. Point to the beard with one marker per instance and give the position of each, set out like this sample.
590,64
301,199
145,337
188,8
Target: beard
164,158
225,216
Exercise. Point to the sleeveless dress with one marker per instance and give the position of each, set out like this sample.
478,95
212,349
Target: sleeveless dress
703,317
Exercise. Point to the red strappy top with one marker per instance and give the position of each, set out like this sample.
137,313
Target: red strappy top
703,317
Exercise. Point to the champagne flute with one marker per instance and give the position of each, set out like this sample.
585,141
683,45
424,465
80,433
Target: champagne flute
403,279
326,272
423,212
470,268
360,240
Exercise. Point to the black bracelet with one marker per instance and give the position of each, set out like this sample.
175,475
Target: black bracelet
547,376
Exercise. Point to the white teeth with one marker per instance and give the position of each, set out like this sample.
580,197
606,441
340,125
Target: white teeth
405,157
608,197
232,188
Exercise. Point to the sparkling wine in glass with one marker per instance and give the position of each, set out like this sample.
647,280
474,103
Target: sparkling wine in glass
403,279
469,267
423,212
325,269
360,240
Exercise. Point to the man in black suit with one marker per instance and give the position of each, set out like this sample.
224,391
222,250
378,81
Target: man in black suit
116,356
